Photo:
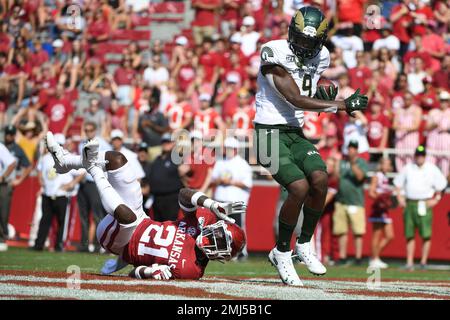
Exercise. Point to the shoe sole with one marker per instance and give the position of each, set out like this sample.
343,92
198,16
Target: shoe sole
286,284
313,273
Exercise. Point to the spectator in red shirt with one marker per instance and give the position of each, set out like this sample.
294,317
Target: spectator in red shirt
98,28
39,56
229,17
228,98
441,78
59,112
421,16
359,76
351,11
402,22
201,163
428,99
205,20
435,45
378,126
209,62
123,77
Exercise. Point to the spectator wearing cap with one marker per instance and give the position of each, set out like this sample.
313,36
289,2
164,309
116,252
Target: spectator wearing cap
166,182
349,206
7,166
152,124
59,57
438,138
232,178
419,186
142,155
406,125
179,52
205,19
228,96
56,190
429,97
207,120
249,37
117,144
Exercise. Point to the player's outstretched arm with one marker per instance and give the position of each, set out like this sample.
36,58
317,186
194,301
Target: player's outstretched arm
190,199
156,271
286,87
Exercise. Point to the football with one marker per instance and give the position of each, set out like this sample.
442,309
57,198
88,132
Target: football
326,84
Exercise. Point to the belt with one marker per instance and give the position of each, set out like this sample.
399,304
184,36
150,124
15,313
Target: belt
55,197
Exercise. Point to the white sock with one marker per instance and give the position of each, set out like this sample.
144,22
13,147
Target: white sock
109,197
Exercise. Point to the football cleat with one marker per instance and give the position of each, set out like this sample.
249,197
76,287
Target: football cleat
89,157
57,153
285,267
303,253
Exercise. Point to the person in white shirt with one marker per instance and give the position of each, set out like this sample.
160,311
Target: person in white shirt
156,75
419,187
248,36
232,177
117,144
7,166
388,40
350,44
56,191
356,129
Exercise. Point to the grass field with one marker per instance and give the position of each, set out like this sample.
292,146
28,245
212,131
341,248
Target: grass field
27,274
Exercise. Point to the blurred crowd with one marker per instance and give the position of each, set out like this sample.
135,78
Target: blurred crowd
61,70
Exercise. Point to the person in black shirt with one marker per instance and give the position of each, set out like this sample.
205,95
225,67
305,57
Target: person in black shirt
143,159
165,182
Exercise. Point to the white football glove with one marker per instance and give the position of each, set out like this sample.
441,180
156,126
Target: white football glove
223,210
160,272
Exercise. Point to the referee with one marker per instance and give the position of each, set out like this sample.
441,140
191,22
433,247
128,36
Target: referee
419,188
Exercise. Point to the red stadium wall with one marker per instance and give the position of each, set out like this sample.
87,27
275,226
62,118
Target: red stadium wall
260,215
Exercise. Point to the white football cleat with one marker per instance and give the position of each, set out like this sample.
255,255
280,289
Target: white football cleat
285,267
89,157
304,254
378,264
113,265
57,153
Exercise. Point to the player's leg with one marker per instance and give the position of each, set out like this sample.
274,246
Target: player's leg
290,176
309,160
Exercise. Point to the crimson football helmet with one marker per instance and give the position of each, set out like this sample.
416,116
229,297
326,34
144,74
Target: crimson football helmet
221,240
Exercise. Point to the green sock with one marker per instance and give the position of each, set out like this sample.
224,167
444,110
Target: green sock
310,219
284,236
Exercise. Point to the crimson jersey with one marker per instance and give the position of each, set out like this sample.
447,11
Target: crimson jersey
177,113
242,119
205,121
170,243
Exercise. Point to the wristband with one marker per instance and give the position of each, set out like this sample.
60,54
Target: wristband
196,196
208,203
186,209
137,272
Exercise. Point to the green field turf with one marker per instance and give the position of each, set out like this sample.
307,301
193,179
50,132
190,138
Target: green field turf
257,266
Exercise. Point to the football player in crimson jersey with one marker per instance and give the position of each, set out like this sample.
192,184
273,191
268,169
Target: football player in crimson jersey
207,120
179,113
173,249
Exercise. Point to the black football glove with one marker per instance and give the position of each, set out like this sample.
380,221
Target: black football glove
322,94
356,102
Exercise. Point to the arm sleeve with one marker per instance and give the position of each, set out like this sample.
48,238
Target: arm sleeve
324,62
6,157
440,182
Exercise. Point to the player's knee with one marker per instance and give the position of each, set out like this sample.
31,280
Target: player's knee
124,215
318,183
115,160
298,190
